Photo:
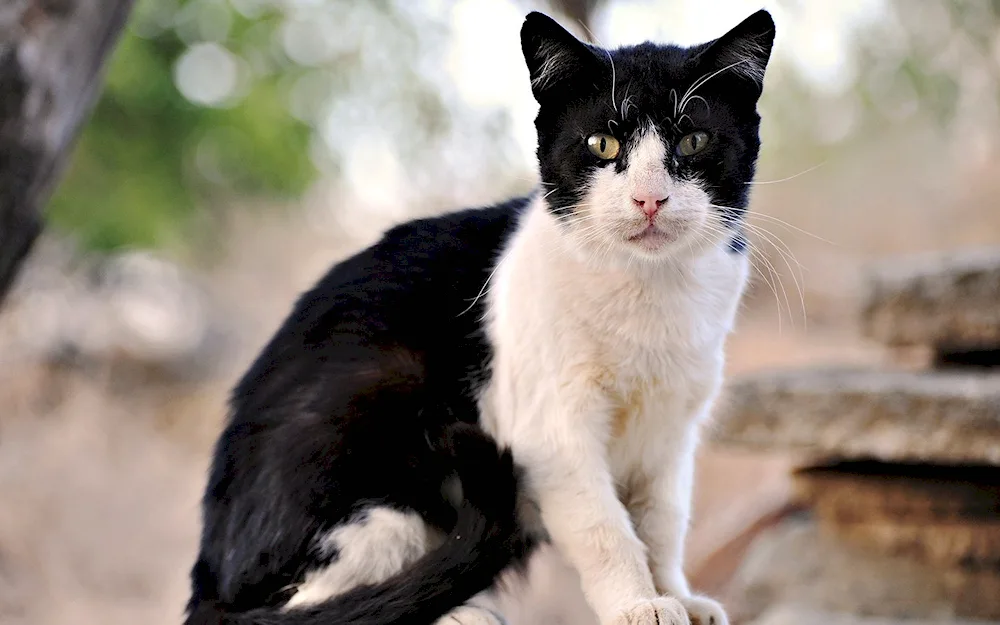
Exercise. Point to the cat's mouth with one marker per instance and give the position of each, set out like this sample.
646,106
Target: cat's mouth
653,238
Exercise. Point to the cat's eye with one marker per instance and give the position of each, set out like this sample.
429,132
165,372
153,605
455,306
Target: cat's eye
692,143
604,146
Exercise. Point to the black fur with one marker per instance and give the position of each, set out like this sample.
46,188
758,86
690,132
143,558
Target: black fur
366,394
355,401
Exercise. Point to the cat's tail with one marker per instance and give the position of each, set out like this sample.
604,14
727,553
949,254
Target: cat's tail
486,539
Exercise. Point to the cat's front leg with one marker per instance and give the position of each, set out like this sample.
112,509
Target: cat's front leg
579,506
661,508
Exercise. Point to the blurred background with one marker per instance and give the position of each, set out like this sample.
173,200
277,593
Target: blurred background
241,146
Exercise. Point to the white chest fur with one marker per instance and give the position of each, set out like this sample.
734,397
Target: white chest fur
642,344
602,371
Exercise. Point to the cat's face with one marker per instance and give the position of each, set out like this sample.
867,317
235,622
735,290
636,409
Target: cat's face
647,151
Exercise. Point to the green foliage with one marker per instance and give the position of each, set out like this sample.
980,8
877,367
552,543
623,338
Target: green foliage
149,158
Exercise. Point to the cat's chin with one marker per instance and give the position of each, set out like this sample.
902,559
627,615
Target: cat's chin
653,239
656,242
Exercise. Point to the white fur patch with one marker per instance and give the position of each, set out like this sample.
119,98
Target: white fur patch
554,60
372,548
368,550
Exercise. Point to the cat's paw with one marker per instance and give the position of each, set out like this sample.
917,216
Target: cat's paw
659,611
705,611
471,615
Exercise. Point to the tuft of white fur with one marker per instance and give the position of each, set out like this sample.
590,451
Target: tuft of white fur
554,59
373,547
607,359
746,57
366,550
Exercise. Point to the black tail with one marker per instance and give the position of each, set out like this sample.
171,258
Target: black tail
486,540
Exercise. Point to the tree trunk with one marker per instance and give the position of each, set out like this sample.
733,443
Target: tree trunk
52,55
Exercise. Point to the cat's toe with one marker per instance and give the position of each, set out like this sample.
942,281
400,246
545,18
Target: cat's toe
705,611
659,611
471,615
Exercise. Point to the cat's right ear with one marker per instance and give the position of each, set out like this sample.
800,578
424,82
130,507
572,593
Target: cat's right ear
555,58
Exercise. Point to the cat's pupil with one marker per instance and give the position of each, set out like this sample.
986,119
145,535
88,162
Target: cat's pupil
604,144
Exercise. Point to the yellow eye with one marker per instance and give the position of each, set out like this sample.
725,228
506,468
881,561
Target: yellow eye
692,143
604,146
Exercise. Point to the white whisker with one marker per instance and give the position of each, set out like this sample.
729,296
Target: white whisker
786,225
704,79
708,108
780,222
594,38
786,256
485,285
801,173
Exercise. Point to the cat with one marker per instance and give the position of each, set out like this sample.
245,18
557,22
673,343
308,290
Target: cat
476,383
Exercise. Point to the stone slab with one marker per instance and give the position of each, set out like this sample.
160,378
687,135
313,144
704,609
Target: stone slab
862,491
797,565
945,516
950,301
790,615
942,417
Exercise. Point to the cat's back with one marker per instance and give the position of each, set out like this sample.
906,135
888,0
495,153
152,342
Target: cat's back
417,290
421,274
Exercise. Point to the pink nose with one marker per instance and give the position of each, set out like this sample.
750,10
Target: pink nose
649,204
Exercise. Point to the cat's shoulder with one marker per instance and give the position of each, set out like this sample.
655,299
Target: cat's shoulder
455,242
463,228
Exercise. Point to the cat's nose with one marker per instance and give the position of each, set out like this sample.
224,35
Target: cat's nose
649,203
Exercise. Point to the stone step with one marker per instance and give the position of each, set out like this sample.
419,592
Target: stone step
792,615
797,565
945,516
938,417
948,301
920,492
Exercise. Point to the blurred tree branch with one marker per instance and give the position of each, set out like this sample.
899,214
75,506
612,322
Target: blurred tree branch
52,57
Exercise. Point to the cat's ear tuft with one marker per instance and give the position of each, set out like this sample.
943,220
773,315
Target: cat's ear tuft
552,53
744,50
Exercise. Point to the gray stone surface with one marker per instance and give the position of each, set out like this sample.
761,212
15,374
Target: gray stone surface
950,301
797,566
788,615
933,416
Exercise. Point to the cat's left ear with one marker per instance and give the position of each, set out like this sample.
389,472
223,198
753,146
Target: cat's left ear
559,63
744,51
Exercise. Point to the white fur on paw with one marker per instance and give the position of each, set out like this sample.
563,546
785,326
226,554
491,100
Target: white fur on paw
470,615
705,611
659,611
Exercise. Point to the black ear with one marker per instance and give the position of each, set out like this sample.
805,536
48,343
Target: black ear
555,58
744,51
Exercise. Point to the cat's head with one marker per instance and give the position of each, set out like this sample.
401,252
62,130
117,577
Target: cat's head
648,151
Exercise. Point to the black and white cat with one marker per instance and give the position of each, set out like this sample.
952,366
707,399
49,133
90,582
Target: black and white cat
537,370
